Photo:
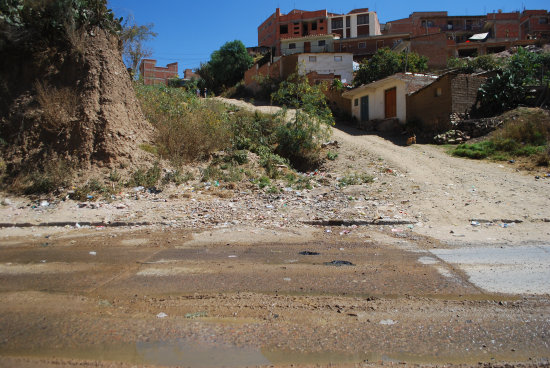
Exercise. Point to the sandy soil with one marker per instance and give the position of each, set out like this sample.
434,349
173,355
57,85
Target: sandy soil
193,278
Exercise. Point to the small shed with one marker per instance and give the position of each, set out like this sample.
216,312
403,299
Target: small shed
386,98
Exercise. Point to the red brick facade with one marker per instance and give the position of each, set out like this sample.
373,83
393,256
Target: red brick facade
440,36
152,74
295,24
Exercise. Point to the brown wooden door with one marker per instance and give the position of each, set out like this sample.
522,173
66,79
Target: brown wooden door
390,103
307,47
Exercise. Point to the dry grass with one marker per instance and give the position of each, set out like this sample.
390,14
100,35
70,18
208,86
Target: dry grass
58,106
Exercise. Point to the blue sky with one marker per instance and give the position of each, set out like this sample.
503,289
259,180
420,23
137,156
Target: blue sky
189,31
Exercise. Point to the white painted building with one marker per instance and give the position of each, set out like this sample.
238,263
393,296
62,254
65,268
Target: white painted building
357,23
386,98
313,43
339,64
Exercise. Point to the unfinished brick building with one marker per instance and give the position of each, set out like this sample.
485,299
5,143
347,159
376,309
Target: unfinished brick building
153,74
440,36
299,24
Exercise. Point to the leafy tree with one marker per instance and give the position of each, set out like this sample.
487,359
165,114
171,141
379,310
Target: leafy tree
508,89
133,39
23,20
386,62
471,65
226,66
299,138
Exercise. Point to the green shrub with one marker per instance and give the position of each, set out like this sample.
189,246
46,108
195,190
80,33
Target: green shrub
187,128
55,174
355,179
146,178
177,177
332,155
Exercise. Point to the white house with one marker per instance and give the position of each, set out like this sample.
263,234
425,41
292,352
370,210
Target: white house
339,64
386,98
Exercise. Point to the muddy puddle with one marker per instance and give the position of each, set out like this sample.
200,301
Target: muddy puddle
156,353
205,356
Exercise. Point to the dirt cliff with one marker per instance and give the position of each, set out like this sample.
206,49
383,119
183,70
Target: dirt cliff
72,101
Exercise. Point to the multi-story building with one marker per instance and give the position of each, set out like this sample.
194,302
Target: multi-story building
440,36
280,31
152,74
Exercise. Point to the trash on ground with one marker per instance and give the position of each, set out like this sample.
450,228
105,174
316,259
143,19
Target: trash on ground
338,263
92,253
309,253
196,315
162,315
475,223
388,322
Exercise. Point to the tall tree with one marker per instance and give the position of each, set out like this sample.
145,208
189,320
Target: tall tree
227,65
386,62
134,37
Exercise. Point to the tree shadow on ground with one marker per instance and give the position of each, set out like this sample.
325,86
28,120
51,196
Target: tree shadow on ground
399,138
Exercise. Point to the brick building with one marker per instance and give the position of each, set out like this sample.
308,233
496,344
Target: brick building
440,36
153,74
452,92
300,24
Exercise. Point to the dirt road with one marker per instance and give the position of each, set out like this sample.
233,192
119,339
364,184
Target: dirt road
258,280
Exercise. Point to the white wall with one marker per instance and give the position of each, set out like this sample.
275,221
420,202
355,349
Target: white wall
377,101
314,43
374,24
326,64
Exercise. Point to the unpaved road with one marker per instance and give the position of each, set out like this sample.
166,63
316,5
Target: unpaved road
436,291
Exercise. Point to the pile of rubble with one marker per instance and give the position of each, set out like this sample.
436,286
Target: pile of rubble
451,137
465,128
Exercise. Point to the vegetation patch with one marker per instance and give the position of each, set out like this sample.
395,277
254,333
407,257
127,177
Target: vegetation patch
526,132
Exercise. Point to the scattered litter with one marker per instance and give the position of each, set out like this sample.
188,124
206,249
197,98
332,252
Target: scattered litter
196,315
43,261
77,225
396,230
92,253
342,249
328,231
138,189
286,279
338,263
232,256
44,204
104,303
475,223
162,315
309,253
410,226
388,322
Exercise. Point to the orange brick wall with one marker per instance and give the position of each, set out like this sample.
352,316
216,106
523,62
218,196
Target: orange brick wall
152,74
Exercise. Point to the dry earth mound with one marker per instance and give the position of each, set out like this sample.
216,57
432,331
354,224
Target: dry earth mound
68,101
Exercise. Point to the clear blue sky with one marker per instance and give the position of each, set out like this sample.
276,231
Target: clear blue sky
189,31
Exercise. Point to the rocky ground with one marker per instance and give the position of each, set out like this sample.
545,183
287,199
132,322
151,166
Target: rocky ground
216,272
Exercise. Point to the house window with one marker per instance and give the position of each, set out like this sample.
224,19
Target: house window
314,26
322,43
543,20
438,92
283,29
362,45
348,22
337,23
356,102
427,23
362,19
313,59
337,58
450,25
291,45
